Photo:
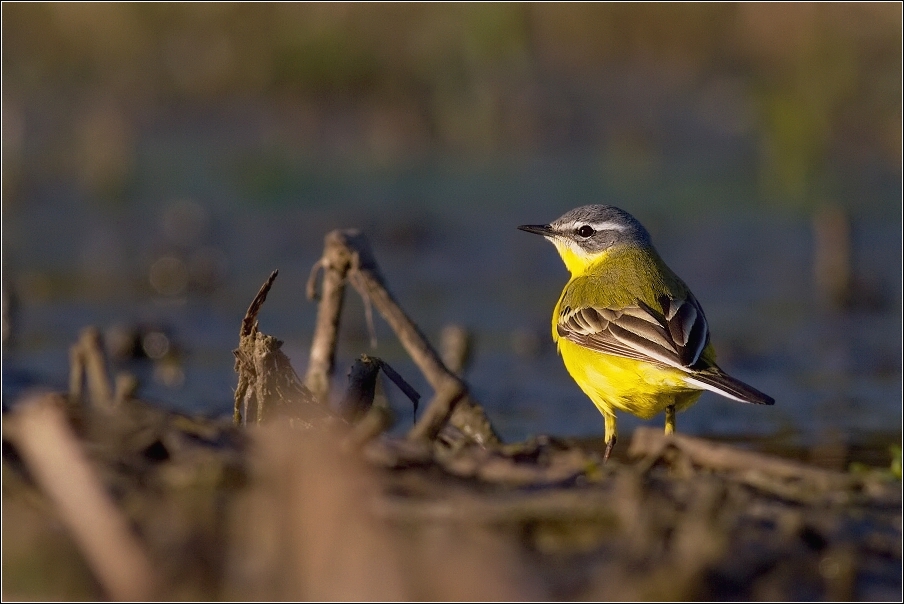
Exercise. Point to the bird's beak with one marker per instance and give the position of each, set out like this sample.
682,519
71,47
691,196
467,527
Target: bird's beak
539,229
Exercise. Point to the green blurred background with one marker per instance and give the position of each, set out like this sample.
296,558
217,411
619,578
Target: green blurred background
160,159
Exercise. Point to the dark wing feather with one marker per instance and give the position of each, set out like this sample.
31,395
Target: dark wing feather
731,387
674,334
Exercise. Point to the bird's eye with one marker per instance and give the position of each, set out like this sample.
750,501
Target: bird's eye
586,231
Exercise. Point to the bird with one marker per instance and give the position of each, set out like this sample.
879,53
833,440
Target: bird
630,332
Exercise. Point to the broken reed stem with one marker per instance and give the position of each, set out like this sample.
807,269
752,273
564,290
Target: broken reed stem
365,277
249,326
347,253
336,260
59,465
266,377
249,322
362,384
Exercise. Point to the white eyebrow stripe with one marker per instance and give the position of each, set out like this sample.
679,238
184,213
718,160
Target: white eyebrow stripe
607,226
596,226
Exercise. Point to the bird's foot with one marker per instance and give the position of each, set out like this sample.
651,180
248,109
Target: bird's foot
610,444
670,419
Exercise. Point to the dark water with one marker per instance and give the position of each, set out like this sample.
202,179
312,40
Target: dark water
444,234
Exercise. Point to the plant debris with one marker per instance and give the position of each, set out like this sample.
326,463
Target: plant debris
105,496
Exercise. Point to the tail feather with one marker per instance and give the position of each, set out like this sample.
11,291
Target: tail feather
716,380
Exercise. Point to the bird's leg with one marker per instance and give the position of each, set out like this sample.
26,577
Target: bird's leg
670,419
611,434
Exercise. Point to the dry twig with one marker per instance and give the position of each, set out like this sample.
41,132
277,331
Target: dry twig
347,254
651,443
266,376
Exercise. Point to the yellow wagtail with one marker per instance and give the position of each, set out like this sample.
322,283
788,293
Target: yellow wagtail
630,332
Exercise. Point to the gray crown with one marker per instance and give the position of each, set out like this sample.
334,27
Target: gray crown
610,226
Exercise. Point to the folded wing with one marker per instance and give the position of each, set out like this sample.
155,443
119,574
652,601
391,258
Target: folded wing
673,335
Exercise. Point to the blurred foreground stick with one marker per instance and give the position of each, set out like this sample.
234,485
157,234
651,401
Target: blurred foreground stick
59,465
310,528
266,377
347,256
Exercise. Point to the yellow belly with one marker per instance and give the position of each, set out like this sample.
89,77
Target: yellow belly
619,384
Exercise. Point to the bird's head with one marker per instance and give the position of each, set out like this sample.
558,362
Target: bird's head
584,235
